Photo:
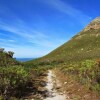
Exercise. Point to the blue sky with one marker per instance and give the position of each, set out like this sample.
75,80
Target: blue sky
33,28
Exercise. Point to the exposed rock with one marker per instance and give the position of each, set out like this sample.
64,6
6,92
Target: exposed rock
95,24
65,82
61,93
43,83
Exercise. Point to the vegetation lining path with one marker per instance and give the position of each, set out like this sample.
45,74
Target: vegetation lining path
74,89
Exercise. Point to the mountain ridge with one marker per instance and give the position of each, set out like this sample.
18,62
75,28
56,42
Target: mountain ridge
84,45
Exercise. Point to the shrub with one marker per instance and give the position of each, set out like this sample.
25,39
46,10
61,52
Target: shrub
96,87
11,78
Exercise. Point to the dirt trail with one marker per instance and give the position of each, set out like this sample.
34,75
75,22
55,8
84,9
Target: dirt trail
53,94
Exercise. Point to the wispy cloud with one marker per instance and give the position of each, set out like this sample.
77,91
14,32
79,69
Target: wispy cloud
24,31
34,37
39,43
67,9
18,30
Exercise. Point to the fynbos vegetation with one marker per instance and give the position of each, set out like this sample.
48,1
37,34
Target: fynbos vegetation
6,58
85,72
13,80
16,80
78,58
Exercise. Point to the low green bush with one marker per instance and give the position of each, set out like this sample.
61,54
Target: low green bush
11,78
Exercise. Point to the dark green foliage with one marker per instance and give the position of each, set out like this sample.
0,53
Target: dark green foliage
33,64
12,78
19,79
10,53
6,59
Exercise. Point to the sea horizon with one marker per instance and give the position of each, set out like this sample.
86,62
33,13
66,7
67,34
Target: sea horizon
24,59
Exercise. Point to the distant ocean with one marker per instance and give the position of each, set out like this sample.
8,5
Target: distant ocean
24,59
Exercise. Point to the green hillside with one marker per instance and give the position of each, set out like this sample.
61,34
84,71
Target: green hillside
84,45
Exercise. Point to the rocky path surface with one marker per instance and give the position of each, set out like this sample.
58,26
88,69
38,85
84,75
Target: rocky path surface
52,86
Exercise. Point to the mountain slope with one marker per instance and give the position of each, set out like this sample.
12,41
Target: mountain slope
84,45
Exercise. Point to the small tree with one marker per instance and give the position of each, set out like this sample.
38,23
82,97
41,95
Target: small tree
10,53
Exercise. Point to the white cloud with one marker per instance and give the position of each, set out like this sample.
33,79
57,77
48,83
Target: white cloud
29,35
11,40
68,10
24,32
42,44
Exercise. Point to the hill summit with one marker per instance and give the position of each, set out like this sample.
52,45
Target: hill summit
95,24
